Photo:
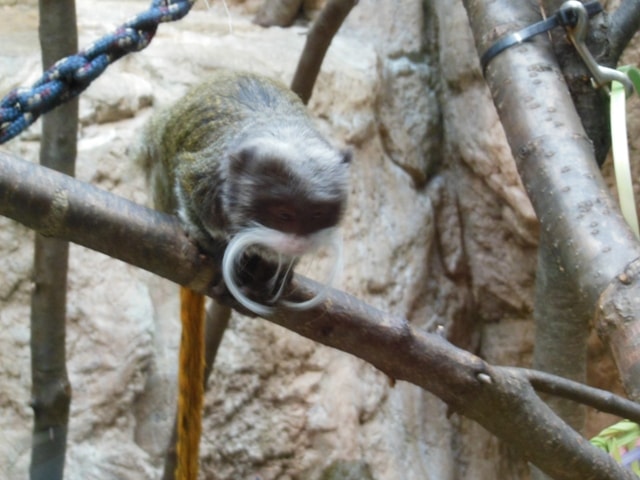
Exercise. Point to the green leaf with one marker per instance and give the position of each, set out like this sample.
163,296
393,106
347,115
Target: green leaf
634,75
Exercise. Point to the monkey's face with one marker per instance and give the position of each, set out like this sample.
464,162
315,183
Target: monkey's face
274,187
282,205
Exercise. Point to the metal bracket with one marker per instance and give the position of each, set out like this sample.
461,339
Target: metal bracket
577,34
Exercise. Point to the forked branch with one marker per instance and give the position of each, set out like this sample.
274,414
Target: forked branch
501,399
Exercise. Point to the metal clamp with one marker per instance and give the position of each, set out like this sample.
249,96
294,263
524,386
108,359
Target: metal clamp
577,34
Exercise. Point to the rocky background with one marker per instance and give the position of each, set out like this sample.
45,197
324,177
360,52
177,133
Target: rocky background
438,230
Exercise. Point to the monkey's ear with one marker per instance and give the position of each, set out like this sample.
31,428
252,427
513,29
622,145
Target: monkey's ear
347,155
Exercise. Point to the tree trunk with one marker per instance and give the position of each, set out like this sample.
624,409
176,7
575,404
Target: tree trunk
585,243
51,391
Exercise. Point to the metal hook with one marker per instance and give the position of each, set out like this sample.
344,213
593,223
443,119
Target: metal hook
577,34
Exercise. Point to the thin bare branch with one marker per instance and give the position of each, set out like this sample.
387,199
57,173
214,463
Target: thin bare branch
50,387
617,325
623,25
318,40
601,400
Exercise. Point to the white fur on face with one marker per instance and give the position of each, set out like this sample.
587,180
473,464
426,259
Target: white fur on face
288,248
305,164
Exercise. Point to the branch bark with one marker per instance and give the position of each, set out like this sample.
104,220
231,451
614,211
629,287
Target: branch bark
554,156
501,400
623,25
585,243
51,390
617,325
318,40
592,105
608,36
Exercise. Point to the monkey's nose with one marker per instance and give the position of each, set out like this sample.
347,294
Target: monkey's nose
293,245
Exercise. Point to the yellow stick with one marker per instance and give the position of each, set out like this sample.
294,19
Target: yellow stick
190,383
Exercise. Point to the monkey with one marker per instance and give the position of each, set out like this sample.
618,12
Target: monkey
240,161
239,154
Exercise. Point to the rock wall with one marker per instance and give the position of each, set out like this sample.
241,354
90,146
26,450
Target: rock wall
438,230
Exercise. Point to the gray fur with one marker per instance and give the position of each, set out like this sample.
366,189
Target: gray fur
229,139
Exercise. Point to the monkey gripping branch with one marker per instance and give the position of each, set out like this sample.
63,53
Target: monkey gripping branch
501,399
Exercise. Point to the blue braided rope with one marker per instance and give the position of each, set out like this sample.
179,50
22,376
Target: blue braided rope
71,75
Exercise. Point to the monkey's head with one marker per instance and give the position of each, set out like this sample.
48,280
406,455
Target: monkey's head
284,197
297,191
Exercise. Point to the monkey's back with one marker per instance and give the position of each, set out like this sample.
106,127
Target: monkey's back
202,125
225,103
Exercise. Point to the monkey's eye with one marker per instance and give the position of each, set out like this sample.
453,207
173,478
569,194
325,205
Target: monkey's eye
282,213
318,213
285,216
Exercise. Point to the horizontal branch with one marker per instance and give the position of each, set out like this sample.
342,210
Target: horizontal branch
59,206
501,400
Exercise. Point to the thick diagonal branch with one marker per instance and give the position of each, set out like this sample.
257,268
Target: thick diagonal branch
500,400
586,239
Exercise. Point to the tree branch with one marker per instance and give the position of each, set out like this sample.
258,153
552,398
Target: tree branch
59,206
601,400
607,38
50,386
589,239
502,401
617,325
592,105
318,40
623,25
